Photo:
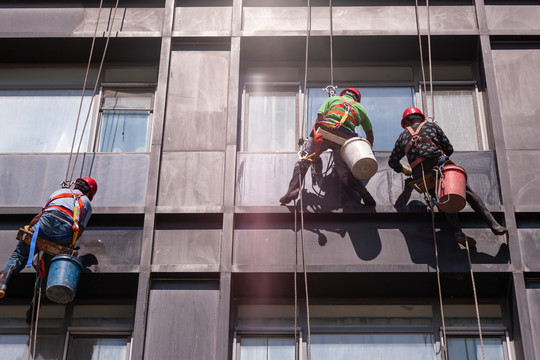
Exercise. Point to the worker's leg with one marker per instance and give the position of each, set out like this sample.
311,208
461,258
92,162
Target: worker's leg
348,179
479,207
300,169
14,265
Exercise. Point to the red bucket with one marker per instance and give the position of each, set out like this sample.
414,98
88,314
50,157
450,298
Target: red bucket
452,189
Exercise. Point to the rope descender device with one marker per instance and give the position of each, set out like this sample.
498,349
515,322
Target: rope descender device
330,89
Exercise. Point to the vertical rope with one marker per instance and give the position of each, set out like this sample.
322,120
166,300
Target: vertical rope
66,181
424,95
331,46
429,62
475,301
308,33
296,353
94,91
305,272
429,201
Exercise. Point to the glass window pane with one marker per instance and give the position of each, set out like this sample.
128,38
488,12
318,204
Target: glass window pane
124,131
373,347
271,123
42,120
15,347
470,348
267,348
103,315
384,106
456,115
95,348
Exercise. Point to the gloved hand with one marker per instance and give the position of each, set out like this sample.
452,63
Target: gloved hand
406,170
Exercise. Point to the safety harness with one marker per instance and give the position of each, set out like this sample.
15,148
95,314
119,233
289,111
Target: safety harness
346,111
414,141
75,215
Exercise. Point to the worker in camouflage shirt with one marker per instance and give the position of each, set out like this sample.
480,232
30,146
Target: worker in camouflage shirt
426,146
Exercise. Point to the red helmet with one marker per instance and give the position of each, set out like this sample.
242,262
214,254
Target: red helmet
410,111
91,183
353,90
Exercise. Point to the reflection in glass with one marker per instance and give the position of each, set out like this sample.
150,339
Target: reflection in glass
384,106
42,120
271,123
267,348
470,348
124,131
373,347
95,348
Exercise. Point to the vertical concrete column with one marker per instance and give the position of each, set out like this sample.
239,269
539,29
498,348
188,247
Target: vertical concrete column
223,345
525,341
152,189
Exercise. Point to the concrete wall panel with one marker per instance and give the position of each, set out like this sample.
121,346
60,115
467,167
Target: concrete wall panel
186,247
191,181
202,21
271,173
53,21
196,113
356,19
518,85
181,320
525,179
32,178
529,240
511,18
533,296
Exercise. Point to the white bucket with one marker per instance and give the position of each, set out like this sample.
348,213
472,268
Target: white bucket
357,154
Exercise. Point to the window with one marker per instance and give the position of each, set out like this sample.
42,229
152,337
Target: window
124,120
372,346
267,348
469,348
82,347
41,120
95,332
458,113
270,120
384,106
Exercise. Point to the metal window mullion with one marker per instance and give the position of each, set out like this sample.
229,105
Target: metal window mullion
482,119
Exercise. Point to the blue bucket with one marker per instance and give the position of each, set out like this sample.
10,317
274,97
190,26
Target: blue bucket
63,278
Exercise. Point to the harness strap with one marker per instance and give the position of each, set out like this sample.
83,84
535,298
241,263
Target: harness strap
347,106
63,209
415,139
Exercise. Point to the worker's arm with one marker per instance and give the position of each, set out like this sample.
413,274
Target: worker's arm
369,136
81,230
35,219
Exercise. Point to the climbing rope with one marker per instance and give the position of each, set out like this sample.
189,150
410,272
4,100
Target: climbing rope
429,200
32,339
304,267
331,48
424,92
68,180
296,354
475,301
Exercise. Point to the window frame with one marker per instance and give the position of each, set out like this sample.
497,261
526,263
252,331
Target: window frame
96,128
269,88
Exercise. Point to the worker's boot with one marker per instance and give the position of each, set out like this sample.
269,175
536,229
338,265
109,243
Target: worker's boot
4,278
480,208
299,172
361,189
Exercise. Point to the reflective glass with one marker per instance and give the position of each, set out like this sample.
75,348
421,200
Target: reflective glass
124,131
95,348
373,347
38,121
471,349
384,106
15,347
271,123
267,348
455,113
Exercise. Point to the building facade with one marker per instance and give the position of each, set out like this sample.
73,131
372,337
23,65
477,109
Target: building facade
190,120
